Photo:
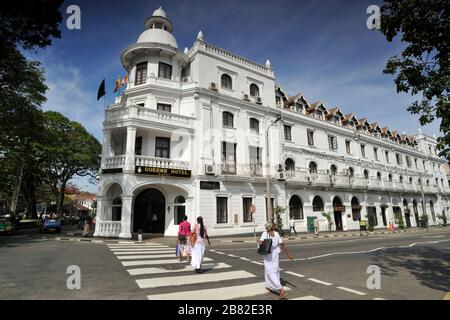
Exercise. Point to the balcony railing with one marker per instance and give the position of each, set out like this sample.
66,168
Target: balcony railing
109,228
148,161
142,113
255,169
228,168
114,162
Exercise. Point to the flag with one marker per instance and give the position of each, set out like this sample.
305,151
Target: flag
125,80
118,81
101,90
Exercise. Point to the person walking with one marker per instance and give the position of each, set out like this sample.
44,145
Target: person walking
271,260
292,226
184,230
198,247
316,226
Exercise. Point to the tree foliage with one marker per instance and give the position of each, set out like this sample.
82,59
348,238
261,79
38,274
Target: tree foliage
423,68
68,150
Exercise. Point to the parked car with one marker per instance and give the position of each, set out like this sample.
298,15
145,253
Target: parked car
8,224
50,225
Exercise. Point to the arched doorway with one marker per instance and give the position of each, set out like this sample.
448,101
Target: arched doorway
295,208
149,212
407,213
356,209
338,210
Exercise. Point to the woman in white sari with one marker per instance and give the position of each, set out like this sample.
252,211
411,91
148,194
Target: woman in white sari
198,248
271,260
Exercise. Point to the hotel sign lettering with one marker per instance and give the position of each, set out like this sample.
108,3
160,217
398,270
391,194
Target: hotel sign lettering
163,172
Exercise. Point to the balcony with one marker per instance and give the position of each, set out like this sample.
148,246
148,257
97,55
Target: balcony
340,181
148,161
115,162
359,183
297,177
255,170
228,168
133,112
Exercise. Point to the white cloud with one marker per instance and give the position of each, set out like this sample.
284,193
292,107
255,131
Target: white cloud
68,95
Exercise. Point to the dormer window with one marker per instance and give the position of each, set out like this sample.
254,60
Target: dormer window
336,120
278,100
226,82
254,90
165,71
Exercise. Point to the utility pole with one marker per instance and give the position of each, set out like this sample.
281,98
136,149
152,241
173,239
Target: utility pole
423,195
268,176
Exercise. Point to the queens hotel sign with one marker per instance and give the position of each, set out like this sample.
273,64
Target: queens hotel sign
163,172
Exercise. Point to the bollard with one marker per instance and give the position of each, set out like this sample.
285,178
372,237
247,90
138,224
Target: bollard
140,235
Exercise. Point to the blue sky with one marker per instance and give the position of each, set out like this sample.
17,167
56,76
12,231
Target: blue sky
320,48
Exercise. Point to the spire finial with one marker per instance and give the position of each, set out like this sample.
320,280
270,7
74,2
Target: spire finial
186,50
200,35
268,64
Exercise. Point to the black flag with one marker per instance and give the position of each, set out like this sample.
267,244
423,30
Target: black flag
101,90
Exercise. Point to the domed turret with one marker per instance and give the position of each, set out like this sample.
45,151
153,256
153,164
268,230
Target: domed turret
157,37
158,29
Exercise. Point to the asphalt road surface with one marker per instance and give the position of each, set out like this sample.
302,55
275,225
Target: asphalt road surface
412,266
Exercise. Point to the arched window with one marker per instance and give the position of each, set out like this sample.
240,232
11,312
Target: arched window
366,174
226,81
227,120
180,209
400,178
289,165
356,209
405,203
254,125
295,208
428,182
390,177
410,180
312,167
351,172
333,170
117,209
254,90
317,204
378,176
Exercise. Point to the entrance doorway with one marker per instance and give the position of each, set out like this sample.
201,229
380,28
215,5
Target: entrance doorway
338,209
372,216
383,215
407,213
149,212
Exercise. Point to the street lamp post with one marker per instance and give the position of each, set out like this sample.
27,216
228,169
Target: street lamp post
268,176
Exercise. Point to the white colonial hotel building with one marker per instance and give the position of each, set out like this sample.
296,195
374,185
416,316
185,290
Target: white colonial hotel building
189,136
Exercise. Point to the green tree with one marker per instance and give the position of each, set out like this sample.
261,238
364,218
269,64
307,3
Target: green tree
329,218
278,211
423,68
69,151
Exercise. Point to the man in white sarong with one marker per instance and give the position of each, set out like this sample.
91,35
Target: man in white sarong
271,260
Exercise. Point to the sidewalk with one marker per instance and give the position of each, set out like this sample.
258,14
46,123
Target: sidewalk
77,236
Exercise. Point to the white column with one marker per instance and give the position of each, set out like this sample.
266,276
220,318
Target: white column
106,148
125,231
99,216
131,141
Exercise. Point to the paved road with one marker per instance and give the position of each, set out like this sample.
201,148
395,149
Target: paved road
413,266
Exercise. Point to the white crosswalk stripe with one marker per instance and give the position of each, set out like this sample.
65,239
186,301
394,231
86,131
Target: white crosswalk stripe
185,280
188,268
223,293
145,256
159,268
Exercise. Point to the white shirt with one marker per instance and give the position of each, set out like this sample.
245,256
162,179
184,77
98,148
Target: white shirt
276,241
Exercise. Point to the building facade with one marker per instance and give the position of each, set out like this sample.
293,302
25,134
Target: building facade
204,132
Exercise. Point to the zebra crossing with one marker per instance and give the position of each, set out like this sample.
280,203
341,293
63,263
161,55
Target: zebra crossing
156,270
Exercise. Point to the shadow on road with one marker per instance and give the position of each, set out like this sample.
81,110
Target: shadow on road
429,265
